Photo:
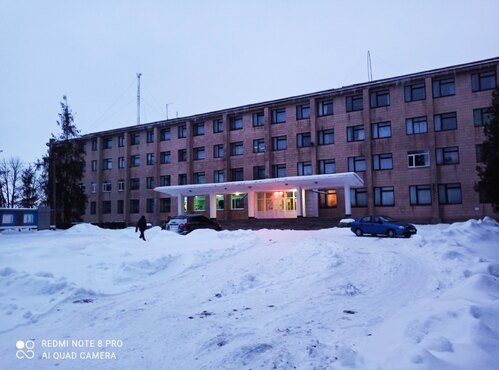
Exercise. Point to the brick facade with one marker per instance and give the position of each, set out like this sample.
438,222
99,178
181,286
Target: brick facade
378,131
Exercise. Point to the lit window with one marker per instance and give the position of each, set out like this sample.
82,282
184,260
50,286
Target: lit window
237,201
328,198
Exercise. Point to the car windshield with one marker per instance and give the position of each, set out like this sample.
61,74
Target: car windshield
387,219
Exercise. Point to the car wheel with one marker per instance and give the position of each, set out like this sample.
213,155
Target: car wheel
390,233
358,232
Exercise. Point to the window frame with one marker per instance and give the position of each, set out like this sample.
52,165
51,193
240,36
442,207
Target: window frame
442,160
352,103
479,78
411,90
353,130
379,98
377,127
379,196
380,161
323,135
278,116
259,145
279,143
444,194
236,148
414,122
440,85
442,119
414,155
415,196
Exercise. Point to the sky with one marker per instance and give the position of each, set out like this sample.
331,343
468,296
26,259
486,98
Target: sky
202,56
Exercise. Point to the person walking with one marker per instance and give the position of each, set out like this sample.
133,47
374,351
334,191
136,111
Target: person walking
142,226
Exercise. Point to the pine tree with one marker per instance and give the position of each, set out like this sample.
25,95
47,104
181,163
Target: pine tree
64,165
489,173
29,191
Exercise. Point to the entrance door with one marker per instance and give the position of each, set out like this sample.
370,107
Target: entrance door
276,204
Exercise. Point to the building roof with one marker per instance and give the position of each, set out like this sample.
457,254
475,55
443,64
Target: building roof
282,183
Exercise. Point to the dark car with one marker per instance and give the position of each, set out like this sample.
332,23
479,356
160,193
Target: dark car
184,224
382,225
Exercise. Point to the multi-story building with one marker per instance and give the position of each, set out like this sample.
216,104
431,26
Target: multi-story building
414,141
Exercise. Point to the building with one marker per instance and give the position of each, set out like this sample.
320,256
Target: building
414,142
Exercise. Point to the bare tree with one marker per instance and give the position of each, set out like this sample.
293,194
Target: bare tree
10,177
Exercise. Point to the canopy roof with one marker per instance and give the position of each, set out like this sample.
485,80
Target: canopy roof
328,181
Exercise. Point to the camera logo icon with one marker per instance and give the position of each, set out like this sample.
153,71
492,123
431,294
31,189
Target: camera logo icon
25,349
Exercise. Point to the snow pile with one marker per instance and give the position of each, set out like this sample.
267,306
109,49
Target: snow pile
271,299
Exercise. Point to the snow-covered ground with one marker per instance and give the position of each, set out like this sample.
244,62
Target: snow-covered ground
266,299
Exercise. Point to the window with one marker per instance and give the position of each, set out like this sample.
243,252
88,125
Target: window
218,126
94,165
93,187
380,98
445,121
237,174
444,87
134,205
218,176
182,155
482,197
107,164
199,153
258,172
355,133
326,166
303,140
483,81
382,161
120,206
381,130
121,185
356,164
279,115
449,155
236,123
165,205
135,139
279,143
84,147
106,187
258,119
418,158
304,168
416,125
94,145
414,92
7,219
328,198
326,136
121,162
483,116
150,182
218,151
479,153
279,170
303,111
149,205
150,159
259,146
165,134
135,183
358,197
150,136
384,196
237,148
165,157
420,195
107,143
220,200
354,103
106,207
199,178
121,141
182,179
182,132
199,203
325,108
135,161
198,129
93,208
237,201
165,180
449,194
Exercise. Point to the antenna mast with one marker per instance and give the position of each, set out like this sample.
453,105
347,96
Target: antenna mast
369,67
138,98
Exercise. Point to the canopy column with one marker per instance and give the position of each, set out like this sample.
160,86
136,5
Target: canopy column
348,204
180,204
299,205
213,206
251,204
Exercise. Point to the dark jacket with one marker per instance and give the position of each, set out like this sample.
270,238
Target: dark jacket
141,224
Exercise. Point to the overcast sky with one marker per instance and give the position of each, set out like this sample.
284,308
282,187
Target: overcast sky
204,55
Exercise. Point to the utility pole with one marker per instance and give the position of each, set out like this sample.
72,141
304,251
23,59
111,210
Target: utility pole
167,104
369,67
138,98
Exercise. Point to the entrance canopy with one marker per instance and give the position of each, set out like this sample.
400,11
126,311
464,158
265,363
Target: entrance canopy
299,184
336,180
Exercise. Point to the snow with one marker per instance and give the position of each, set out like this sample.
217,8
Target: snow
271,299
